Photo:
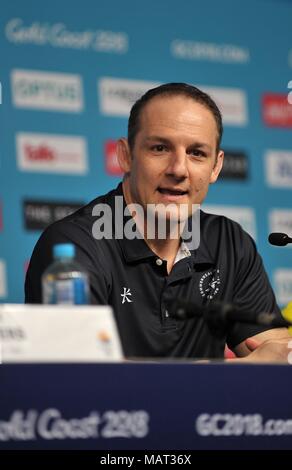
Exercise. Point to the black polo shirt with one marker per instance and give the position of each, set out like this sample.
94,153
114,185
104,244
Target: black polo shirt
127,275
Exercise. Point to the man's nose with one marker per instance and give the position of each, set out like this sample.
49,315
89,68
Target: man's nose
177,165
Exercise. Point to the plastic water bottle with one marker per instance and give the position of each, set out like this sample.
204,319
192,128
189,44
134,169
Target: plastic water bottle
65,281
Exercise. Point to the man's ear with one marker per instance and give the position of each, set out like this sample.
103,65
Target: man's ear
124,155
217,167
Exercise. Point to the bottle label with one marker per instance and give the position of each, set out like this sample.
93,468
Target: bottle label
66,292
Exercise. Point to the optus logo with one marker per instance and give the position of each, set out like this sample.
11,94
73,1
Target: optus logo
290,92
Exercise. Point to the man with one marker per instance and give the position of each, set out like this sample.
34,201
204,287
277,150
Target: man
171,156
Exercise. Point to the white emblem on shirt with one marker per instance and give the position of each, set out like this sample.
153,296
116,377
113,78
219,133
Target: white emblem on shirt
210,283
125,295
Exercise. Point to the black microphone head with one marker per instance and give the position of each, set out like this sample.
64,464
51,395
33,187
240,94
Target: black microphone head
279,239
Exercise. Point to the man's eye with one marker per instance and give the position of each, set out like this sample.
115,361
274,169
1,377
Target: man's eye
196,153
159,148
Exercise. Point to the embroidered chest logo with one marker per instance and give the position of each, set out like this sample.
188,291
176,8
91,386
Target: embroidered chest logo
209,284
125,295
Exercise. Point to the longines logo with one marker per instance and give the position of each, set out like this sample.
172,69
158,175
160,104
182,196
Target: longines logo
209,284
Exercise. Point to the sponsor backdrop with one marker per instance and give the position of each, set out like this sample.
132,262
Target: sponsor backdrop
69,75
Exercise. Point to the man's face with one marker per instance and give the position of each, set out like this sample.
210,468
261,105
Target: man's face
174,158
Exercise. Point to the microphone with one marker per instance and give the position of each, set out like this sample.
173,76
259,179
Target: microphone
219,314
279,239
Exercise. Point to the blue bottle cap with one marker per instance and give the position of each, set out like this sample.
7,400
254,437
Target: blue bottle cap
64,250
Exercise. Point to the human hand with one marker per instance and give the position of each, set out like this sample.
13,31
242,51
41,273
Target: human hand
272,350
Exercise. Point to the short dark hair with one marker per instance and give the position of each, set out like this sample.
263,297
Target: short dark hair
172,89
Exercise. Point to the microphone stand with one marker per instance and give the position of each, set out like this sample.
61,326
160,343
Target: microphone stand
219,315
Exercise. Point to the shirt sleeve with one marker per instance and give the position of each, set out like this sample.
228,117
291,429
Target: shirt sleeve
252,289
88,254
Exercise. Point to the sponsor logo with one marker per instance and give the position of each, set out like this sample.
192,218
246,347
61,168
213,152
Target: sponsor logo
232,103
50,424
117,95
276,110
235,166
283,285
209,284
45,90
211,52
59,35
280,220
126,295
51,153
112,165
278,165
39,214
3,281
245,216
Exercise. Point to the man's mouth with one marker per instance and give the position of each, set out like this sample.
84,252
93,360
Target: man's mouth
172,191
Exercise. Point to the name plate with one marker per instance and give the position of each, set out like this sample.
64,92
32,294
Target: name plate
58,333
